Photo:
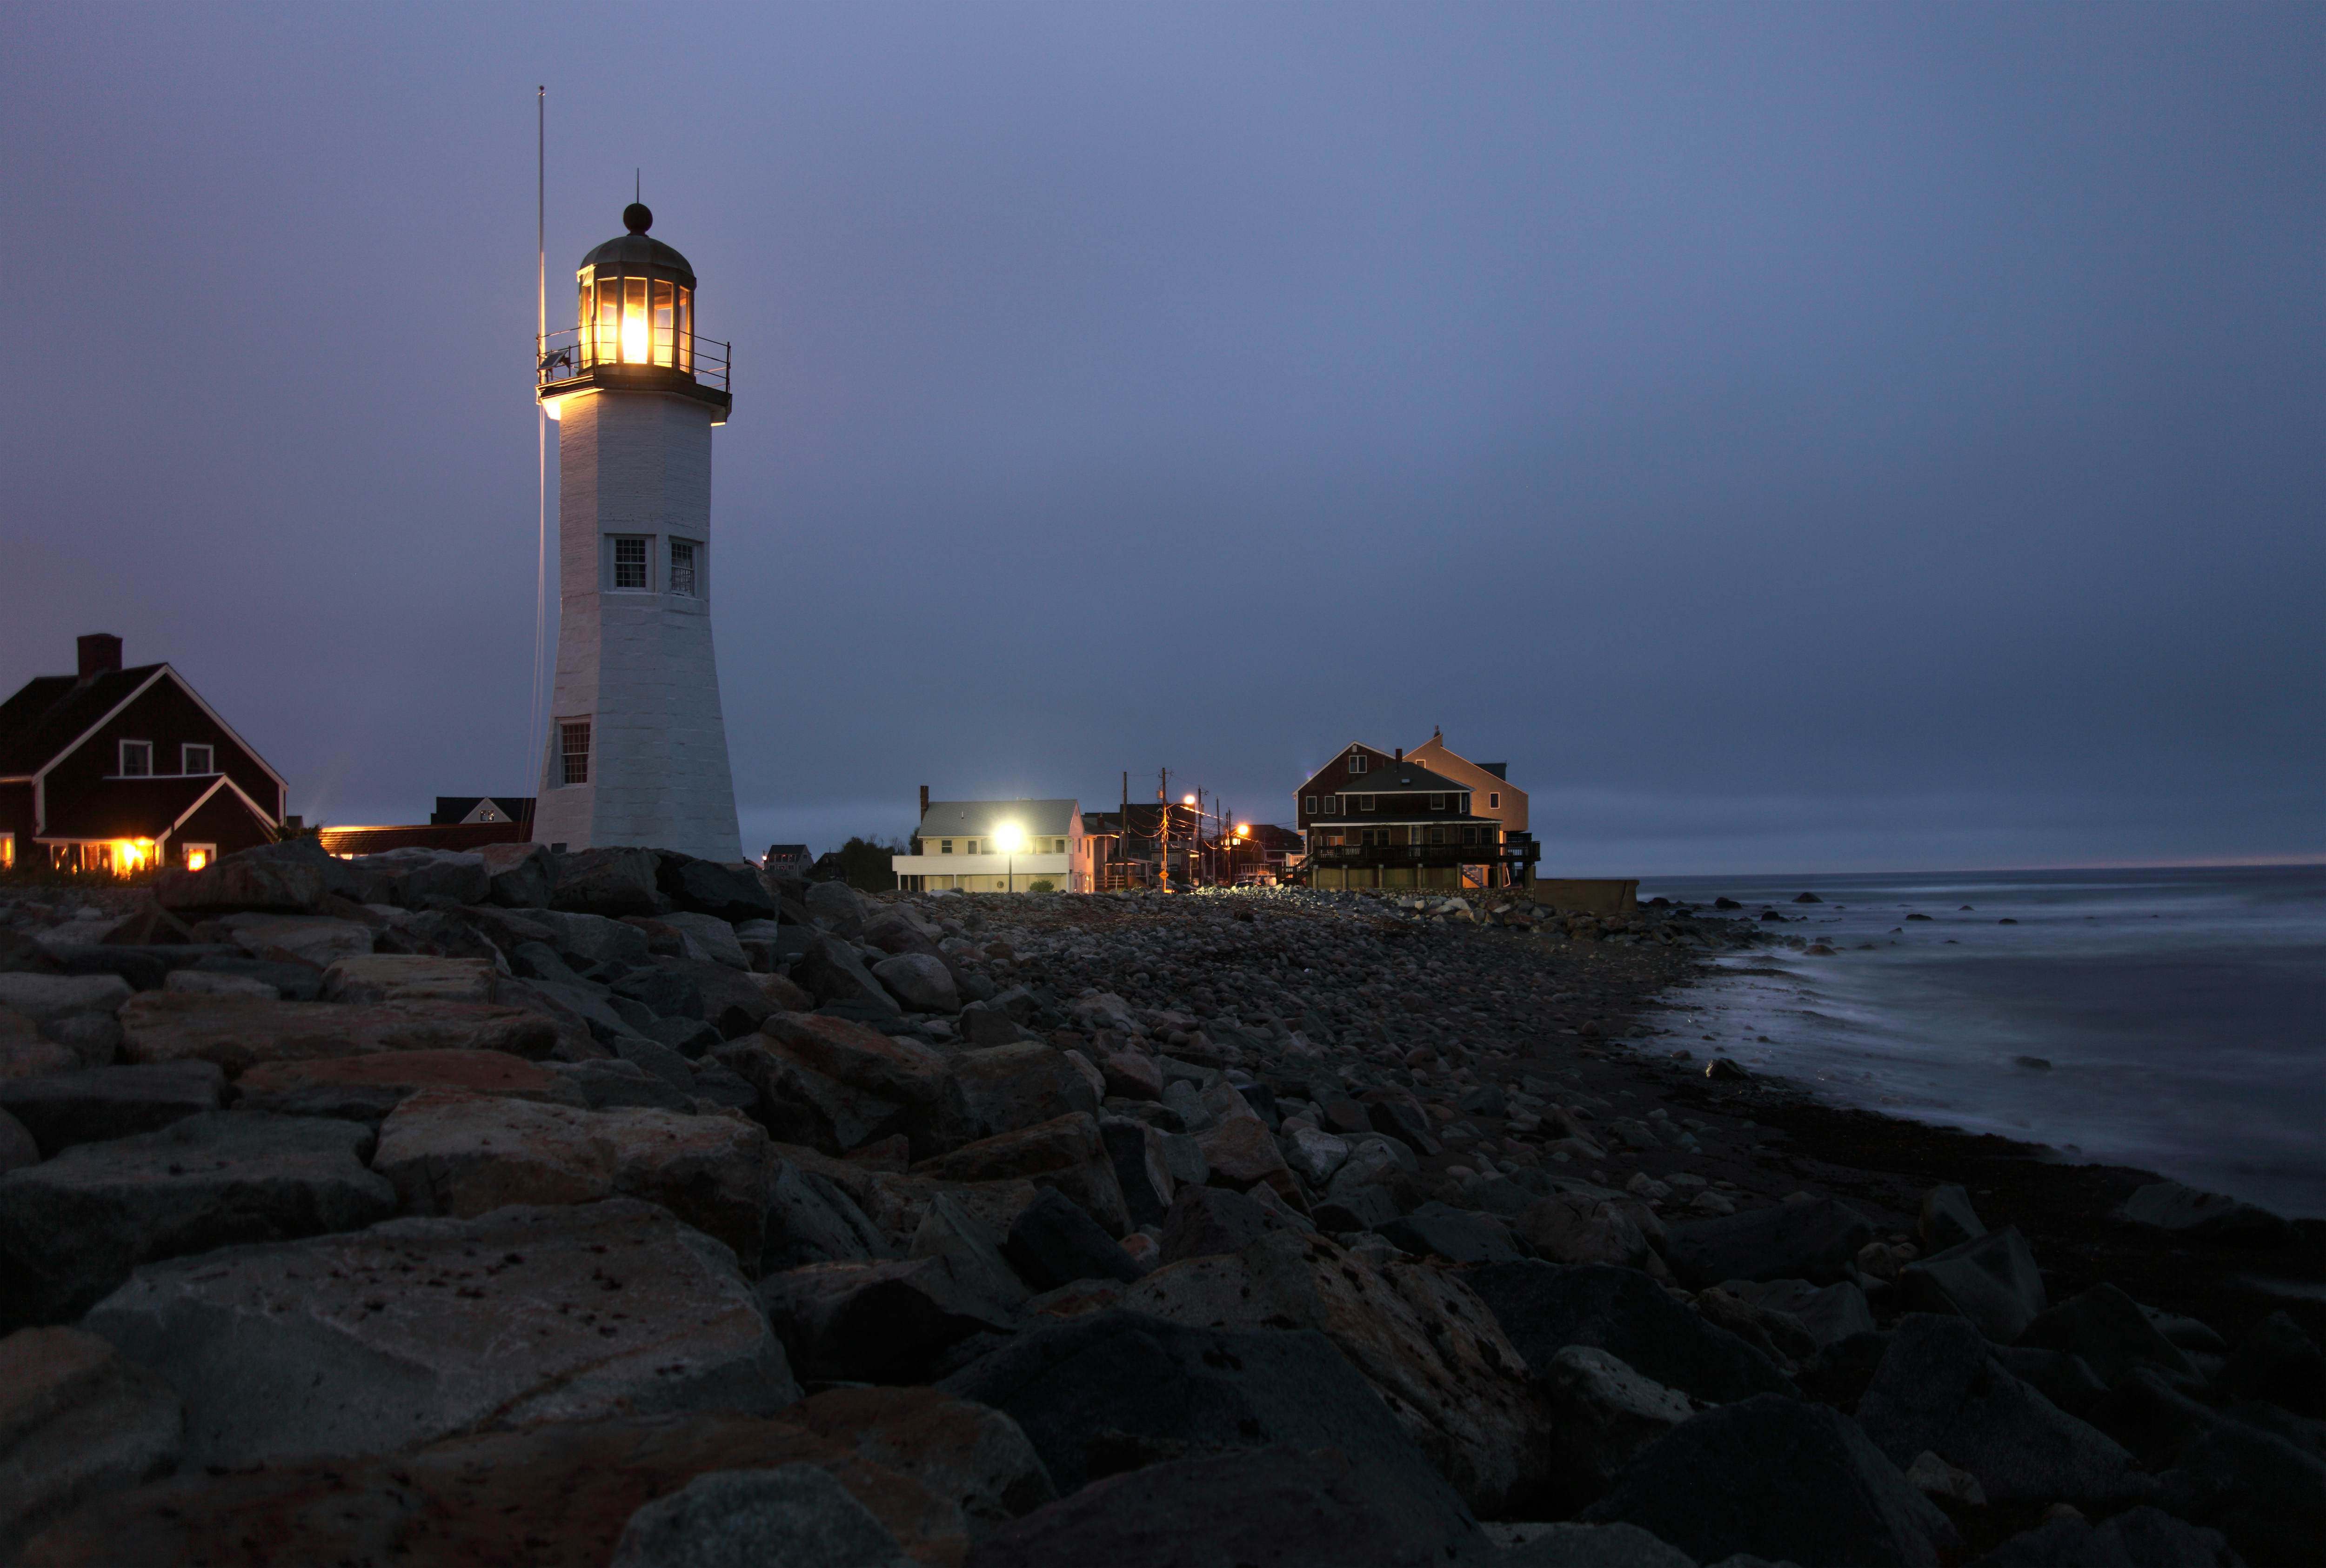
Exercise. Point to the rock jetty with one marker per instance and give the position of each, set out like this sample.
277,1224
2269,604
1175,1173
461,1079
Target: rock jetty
621,1208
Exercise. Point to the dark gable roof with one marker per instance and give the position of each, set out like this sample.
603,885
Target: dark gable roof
1397,778
129,808
49,712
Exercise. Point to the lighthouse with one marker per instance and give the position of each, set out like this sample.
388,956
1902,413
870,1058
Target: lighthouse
636,749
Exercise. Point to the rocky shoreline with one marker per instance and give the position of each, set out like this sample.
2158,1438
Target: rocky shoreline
616,1207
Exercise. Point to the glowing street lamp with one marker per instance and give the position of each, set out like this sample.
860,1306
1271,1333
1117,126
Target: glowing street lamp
1011,837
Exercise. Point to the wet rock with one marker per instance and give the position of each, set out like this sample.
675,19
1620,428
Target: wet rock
1795,1482
1053,1243
1544,1308
1008,1087
236,1032
970,1455
1828,1314
2196,1216
72,1228
77,1420
1577,1227
1947,1218
1604,1415
1277,1506
1066,1153
554,1492
417,1329
461,1155
1818,1240
1939,1389
1441,1230
60,1110
1112,1392
2108,1330
796,1514
1420,1338
1991,1279
873,1320
2276,1361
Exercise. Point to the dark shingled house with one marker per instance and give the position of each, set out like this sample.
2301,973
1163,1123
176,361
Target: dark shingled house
113,770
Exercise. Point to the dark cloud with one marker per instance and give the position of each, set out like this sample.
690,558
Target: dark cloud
1792,438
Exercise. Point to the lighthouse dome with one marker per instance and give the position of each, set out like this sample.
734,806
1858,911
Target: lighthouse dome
635,255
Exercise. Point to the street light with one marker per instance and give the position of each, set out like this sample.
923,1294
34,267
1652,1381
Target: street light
1010,837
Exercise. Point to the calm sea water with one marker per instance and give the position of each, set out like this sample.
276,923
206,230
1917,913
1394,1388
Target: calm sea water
2182,1012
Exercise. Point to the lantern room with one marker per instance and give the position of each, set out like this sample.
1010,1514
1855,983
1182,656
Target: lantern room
634,328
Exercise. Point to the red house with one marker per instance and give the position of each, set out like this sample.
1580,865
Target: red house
115,769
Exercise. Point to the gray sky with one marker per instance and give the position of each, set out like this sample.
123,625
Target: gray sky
1794,437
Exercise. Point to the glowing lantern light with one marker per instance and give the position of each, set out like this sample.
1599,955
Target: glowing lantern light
197,858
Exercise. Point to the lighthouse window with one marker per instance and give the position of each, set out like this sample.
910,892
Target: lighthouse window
634,320
630,563
682,567
573,750
664,325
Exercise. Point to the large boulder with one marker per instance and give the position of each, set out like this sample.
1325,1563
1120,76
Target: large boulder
72,1228
707,938
1213,1222
63,1108
236,1032
734,1002
835,974
1053,1243
586,939
419,878
1583,1227
419,1329
834,1085
2110,1331
795,1514
971,1455
921,982
2141,1537
1990,1279
838,907
715,887
1142,1168
77,1420
292,877
1010,1087
308,939
1438,1230
2263,1491
1066,1153
519,876
2276,1361
1544,1308
379,979
885,1321
1940,1391
1114,1391
1816,1240
1425,1344
609,881
17,1148
557,1491
2189,1214
1276,1505
1783,1480
812,1219
463,1154
1604,1416
963,1235
51,999
367,1088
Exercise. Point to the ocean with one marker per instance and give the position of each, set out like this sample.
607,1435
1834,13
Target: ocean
2171,1019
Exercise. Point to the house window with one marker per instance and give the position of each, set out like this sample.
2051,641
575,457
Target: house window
969,846
944,846
1332,805
7,851
629,563
200,855
1494,799
573,750
198,761
1365,802
1438,802
1356,761
136,759
1312,805
1436,835
1469,835
682,567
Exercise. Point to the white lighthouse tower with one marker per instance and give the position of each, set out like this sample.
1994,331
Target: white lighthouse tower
637,748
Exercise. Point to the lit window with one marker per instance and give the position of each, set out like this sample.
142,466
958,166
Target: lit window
136,759
7,851
198,761
573,750
200,855
1438,802
682,567
1494,799
630,563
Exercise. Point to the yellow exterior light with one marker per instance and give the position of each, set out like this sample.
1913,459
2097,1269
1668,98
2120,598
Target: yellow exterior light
1010,837
1243,830
1187,799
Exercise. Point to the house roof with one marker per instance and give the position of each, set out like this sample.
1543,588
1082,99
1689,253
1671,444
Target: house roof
1399,778
1036,818
138,808
49,712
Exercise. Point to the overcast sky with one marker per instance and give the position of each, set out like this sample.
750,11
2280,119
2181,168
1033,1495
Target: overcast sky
1794,437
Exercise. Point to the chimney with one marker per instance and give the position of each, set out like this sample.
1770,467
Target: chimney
925,800
1401,756
100,653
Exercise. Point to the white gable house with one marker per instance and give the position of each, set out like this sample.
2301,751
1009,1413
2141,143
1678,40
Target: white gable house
998,847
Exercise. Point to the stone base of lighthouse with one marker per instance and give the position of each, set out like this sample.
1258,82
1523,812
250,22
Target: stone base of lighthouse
635,664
